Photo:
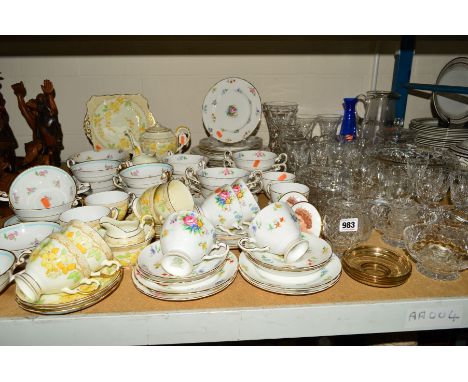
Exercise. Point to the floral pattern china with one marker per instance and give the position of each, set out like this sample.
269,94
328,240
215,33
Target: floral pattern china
319,253
149,263
42,187
109,116
231,110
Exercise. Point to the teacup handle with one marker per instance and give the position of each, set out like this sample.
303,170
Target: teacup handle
229,230
118,182
4,196
114,213
22,258
254,183
166,176
183,138
228,159
243,244
268,190
217,256
79,201
124,165
82,188
279,167
201,165
131,200
282,158
107,263
191,176
144,221
70,163
83,282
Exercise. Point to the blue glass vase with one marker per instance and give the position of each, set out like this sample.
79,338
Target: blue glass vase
348,126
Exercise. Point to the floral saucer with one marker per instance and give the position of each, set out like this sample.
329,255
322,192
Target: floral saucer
228,270
149,264
326,275
232,110
181,296
318,255
289,291
62,303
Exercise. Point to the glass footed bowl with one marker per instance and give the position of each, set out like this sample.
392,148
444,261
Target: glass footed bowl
440,251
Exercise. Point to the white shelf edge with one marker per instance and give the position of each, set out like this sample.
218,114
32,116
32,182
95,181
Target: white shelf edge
196,326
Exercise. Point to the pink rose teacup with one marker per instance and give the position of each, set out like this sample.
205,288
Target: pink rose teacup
188,238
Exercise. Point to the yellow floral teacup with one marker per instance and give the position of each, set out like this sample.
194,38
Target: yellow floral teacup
53,268
171,197
90,247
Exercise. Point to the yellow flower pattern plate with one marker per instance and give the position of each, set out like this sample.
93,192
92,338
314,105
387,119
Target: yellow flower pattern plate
61,303
109,116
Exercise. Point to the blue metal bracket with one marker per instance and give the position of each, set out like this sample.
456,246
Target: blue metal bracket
438,88
402,74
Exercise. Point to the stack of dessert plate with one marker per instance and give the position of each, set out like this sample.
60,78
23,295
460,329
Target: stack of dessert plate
429,133
61,303
318,270
376,266
207,278
461,151
214,150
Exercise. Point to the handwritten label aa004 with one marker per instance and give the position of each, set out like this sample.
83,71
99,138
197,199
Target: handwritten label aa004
449,317
349,225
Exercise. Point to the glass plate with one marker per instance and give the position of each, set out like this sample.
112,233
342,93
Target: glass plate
232,110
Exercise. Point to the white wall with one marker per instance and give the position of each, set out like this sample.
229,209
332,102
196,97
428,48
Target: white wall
176,85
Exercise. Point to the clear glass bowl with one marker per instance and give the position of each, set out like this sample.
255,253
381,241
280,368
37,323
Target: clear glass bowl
440,251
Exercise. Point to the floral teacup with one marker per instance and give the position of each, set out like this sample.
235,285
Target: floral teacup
249,205
223,209
276,229
53,267
90,247
187,238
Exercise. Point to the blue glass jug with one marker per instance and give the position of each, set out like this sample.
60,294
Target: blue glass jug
348,126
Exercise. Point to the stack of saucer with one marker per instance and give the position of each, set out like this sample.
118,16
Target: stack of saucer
214,149
376,266
62,303
316,271
430,133
206,278
461,151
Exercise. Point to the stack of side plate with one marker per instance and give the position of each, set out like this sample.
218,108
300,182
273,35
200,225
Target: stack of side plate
376,266
207,278
461,151
429,133
214,150
62,303
318,270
